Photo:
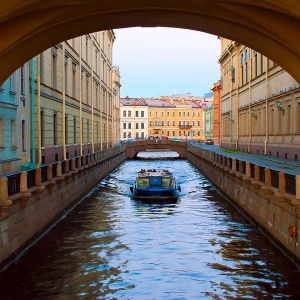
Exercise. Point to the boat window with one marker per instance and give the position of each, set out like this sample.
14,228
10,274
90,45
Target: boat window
143,182
166,182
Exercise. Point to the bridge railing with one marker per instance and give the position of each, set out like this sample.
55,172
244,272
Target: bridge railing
20,185
271,179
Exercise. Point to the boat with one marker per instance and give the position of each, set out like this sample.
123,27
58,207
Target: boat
155,184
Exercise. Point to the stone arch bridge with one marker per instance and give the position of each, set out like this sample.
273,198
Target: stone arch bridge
132,149
269,26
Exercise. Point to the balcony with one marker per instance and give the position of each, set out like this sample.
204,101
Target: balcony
189,126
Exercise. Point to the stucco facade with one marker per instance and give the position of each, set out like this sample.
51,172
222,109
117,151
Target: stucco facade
134,118
176,118
15,104
260,104
77,100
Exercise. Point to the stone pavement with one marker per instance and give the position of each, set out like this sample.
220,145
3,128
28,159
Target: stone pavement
277,164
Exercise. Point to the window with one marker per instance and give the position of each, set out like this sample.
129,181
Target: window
124,113
150,113
150,123
124,125
179,132
156,114
74,80
1,134
184,113
23,128
74,129
136,125
129,113
142,114
173,122
13,133
173,113
142,125
168,133
168,123
54,70
55,129
162,113
66,75
129,125
168,114
137,114
66,129
12,81
42,136
198,123
22,70
124,135
180,114
262,65
173,133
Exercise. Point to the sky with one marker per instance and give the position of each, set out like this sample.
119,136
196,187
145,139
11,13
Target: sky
165,61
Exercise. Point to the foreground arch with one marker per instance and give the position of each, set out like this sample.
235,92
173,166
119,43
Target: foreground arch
269,26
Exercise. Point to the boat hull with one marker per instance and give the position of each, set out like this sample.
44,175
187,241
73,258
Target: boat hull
155,194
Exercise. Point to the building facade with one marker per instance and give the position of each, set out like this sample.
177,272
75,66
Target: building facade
176,118
15,127
208,121
260,104
134,118
216,112
77,104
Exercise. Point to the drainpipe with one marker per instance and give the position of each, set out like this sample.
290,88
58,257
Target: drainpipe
64,101
267,112
38,109
33,153
92,95
80,95
250,98
230,93
237,100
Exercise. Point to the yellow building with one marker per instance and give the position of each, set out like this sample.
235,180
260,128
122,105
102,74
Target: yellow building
260,104
175,118
77,108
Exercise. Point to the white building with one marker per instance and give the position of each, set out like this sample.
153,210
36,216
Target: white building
133,118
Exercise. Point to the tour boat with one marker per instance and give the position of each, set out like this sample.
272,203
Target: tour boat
155,185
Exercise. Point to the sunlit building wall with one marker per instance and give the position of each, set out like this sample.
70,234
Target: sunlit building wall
260,104
216,112
76,100
116,80
176,117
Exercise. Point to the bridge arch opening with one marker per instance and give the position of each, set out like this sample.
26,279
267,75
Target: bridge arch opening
30,27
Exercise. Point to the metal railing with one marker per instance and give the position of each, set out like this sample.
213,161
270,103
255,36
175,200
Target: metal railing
13,183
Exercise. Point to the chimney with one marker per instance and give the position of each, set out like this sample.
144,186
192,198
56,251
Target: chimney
171,100
182,100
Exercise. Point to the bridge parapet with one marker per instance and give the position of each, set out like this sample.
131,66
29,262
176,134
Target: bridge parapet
133,148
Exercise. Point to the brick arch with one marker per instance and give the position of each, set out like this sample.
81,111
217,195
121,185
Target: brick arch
132,149
268,26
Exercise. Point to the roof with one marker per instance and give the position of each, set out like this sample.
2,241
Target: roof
133,102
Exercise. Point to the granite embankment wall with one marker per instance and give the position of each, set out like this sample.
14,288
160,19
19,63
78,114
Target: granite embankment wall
270,198
31,201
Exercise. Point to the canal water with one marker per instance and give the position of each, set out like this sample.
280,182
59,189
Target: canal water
113,247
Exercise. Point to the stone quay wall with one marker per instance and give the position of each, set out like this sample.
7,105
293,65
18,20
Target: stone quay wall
271,199
31,201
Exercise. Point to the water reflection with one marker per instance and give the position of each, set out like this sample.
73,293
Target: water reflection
113,247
